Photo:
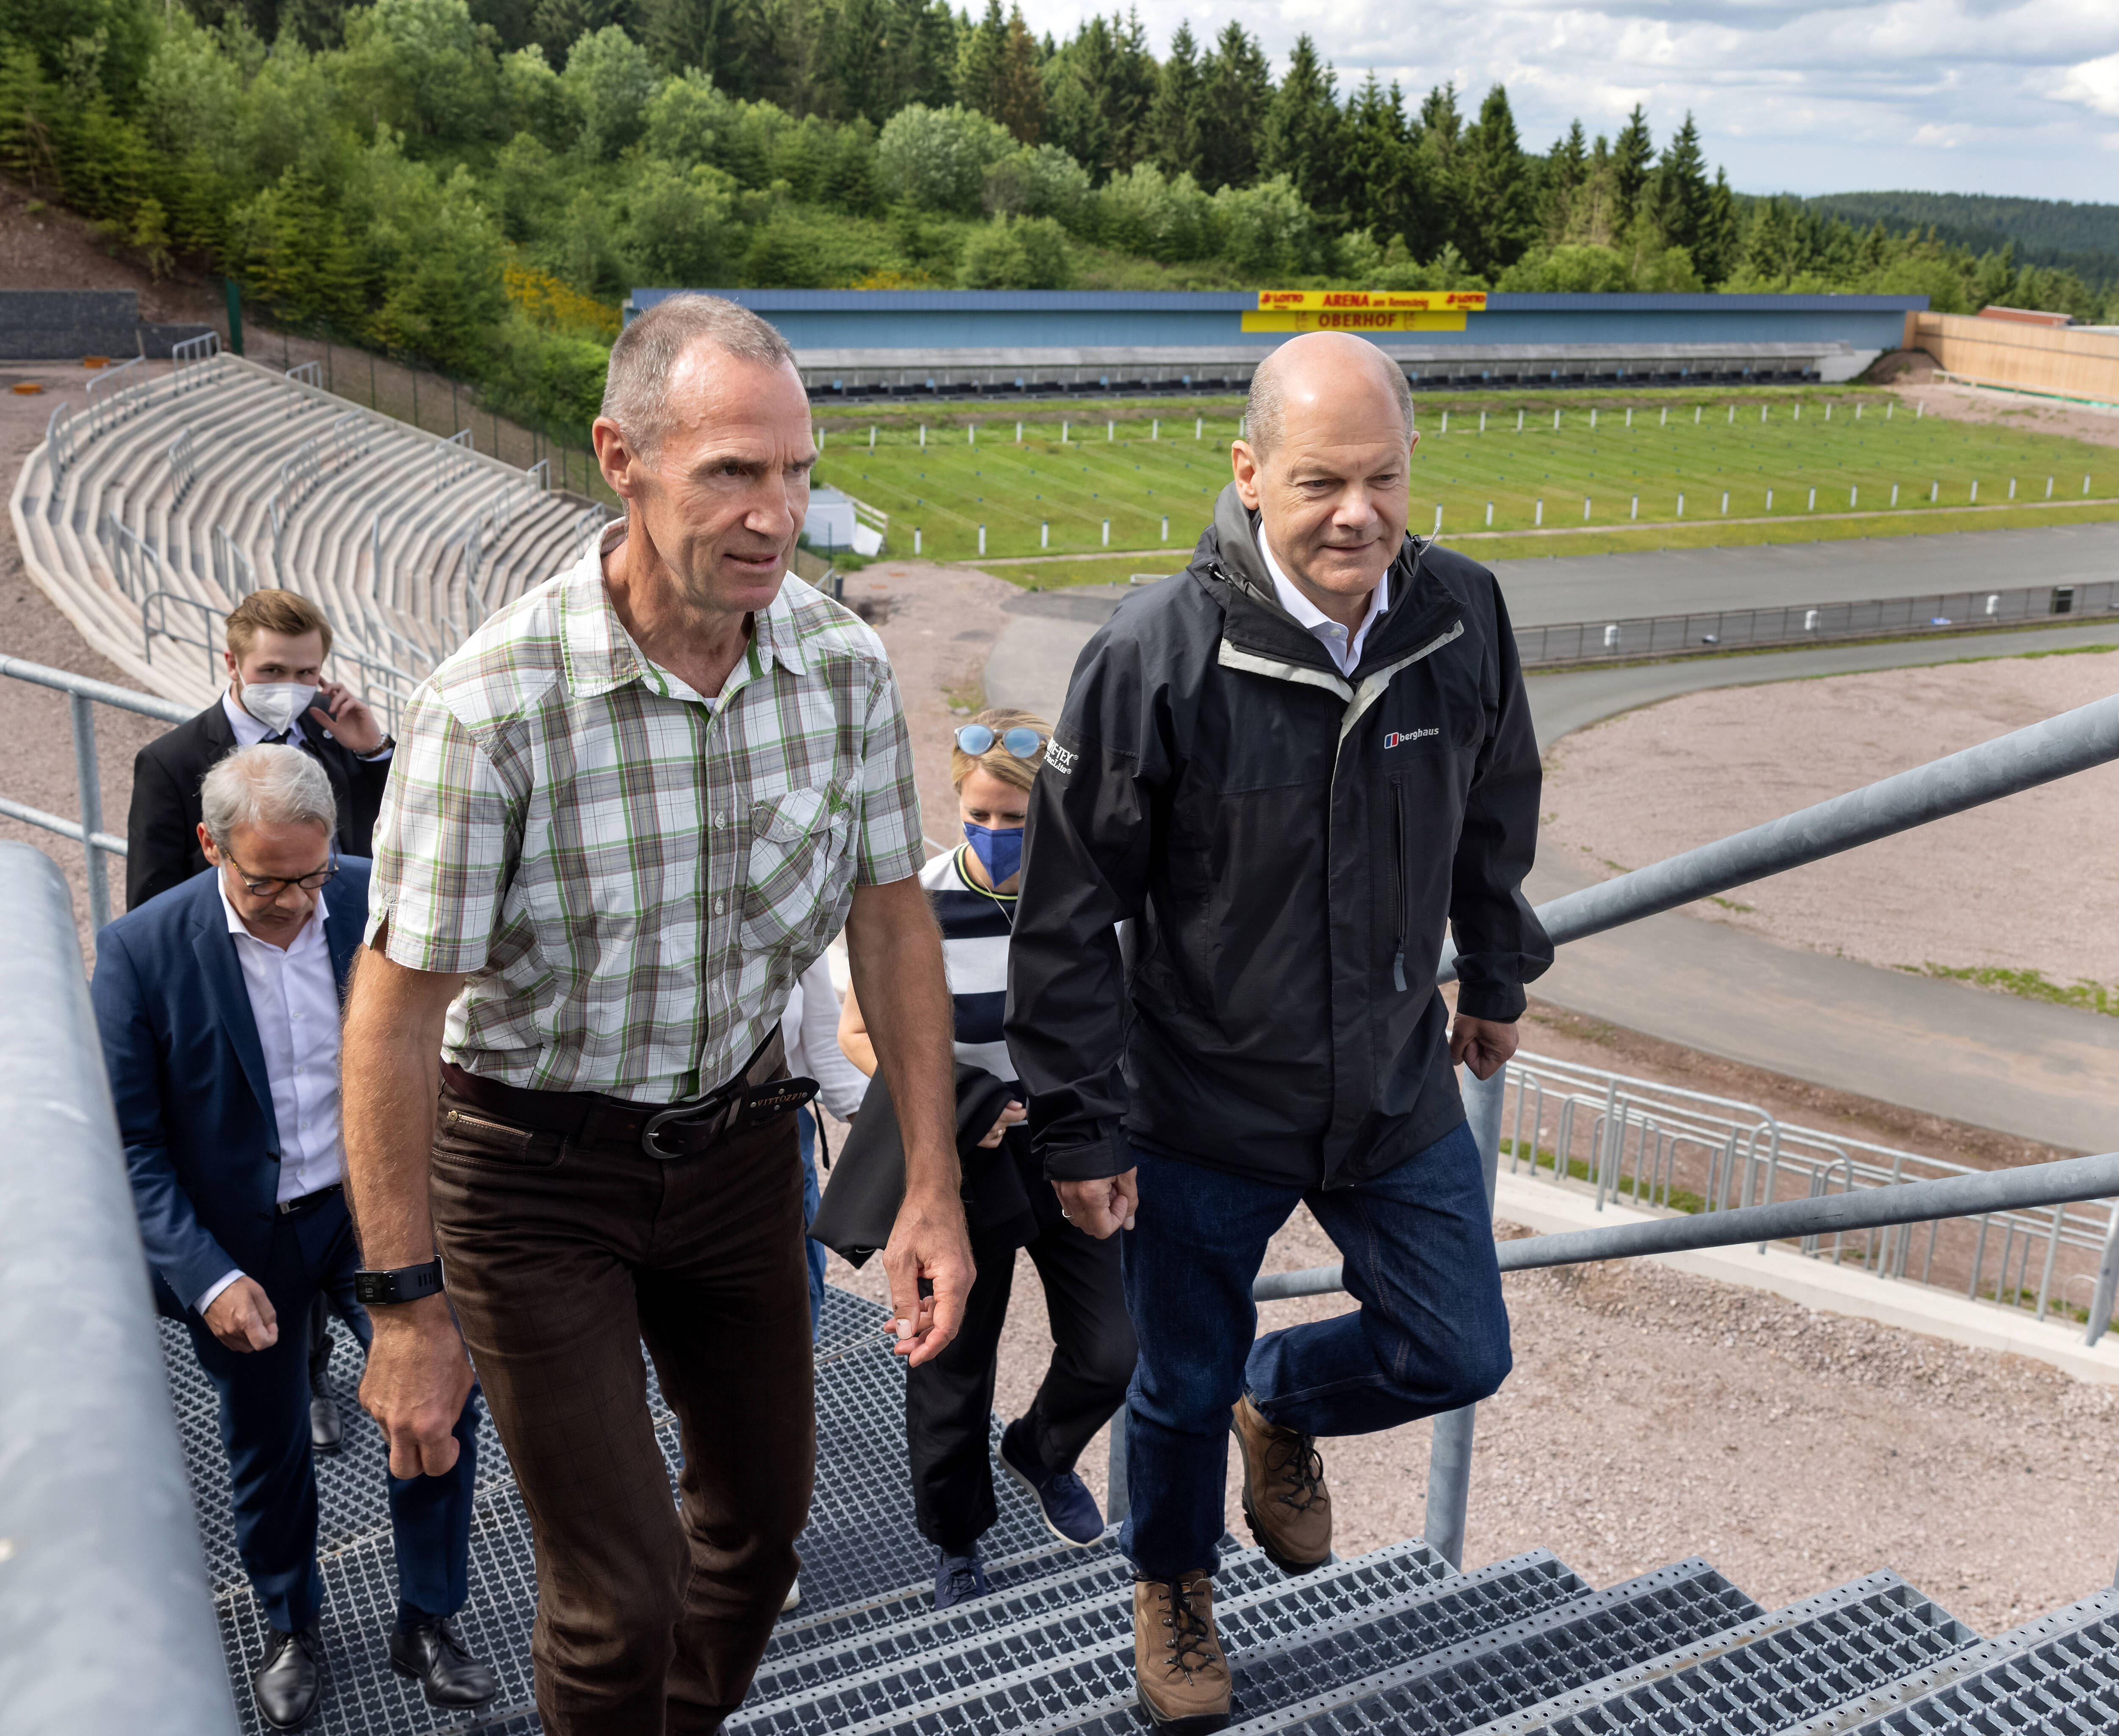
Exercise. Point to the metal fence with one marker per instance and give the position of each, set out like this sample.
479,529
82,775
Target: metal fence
107,1624
1804,624
1643,1143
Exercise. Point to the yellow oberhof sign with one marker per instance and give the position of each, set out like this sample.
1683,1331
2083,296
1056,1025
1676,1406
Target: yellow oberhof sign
1364,310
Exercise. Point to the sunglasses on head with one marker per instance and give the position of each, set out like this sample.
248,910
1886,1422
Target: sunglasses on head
1023,741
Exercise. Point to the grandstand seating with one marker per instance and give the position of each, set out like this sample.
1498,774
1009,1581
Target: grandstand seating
1393,1640
153,507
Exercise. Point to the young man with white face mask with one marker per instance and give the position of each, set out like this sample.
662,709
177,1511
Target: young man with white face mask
277,642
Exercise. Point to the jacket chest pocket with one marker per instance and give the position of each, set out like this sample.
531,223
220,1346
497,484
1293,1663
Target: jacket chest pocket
799,865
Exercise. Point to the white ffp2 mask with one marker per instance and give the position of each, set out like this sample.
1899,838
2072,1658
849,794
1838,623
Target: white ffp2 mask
276,704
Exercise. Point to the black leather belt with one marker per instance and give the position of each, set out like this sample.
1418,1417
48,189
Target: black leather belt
289,1208
759,1094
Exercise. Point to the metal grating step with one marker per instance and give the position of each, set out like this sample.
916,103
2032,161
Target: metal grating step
843,1650
860,1545
1476,1681
2066,1683
989,1641
1795,1662
1050,1572
1874,1709
974,1694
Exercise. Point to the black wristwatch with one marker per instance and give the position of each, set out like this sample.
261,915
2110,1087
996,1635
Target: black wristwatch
406,1283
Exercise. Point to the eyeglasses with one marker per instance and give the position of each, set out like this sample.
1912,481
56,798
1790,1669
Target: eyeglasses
265,888
1023,741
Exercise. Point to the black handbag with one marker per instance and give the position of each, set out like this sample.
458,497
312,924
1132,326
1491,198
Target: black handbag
867,1186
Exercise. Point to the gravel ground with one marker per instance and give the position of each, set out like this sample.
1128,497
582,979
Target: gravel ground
2030,882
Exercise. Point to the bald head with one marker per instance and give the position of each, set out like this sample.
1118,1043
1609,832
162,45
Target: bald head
1325,463
1316,370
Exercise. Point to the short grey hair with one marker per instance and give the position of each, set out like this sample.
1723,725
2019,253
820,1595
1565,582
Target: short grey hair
636,390
1265,411
267,785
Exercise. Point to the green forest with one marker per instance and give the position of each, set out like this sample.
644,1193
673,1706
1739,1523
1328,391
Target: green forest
474,185
2081,239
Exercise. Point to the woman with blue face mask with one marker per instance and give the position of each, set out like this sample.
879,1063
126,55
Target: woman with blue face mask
1010,1205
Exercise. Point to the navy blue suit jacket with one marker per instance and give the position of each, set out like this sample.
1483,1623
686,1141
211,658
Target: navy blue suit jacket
187,1073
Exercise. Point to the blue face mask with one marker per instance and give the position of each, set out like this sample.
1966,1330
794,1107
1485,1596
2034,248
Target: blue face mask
999,849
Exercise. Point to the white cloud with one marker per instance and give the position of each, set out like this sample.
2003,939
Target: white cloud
2095,84
1804,95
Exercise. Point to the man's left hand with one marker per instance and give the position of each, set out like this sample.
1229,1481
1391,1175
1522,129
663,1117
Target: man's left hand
348,718
928,1241
1483,1045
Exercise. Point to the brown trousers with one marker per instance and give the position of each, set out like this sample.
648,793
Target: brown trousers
561,1258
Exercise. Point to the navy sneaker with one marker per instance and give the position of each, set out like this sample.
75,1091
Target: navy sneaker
959,1579
1063,1501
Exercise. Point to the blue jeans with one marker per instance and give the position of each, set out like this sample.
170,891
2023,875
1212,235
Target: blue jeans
806,1132
1431,1333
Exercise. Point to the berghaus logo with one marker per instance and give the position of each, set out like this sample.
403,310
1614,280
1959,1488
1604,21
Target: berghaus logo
1398,738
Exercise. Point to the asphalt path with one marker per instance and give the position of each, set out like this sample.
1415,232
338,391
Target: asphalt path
1607,587
2041,1072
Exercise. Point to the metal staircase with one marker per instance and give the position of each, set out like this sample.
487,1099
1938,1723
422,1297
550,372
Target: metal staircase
1392,1641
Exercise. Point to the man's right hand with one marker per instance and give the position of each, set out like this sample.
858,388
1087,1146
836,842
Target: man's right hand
242,1317
417,1378
1102,1206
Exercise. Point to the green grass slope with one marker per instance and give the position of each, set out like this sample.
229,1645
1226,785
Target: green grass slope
1529,475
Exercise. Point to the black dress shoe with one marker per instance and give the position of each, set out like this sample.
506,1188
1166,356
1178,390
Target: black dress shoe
325,1432
288,1682
430,1652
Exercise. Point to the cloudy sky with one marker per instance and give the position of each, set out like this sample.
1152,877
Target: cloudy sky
1996,96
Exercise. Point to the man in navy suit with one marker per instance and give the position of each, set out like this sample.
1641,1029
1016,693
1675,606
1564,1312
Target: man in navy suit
218,1002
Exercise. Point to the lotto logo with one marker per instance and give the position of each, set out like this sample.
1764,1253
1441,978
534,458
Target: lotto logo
1059,759
1397,739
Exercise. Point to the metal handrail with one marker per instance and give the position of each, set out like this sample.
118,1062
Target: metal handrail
83,695
2064,1181
104,1602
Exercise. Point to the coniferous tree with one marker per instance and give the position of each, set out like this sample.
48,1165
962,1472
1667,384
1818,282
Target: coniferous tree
1500,217
1305,138
1437,139
1236,90
1382,166
1019,98
979,53
1681,188
1719,233
1566,171
861,69
1633,154
1173,117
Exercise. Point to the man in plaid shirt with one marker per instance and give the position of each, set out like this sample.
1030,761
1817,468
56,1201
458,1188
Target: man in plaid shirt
623,818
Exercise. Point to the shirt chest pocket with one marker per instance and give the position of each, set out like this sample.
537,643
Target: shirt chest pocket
799,867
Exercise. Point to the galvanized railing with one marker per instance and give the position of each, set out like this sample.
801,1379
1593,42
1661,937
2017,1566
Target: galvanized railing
83,695
1655,1145
1807,624
106,1617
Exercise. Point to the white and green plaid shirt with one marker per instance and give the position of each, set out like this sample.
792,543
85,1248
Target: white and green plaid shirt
633,876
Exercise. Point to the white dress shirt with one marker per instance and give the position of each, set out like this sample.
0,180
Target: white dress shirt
810,1029
1344,644
294,1002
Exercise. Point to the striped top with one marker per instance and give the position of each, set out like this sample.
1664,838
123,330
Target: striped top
976,925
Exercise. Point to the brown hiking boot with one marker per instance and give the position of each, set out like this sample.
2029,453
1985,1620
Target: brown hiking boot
1285,1499
1177,1661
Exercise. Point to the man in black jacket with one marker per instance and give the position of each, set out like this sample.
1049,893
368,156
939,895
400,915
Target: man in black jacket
1288,768
277,641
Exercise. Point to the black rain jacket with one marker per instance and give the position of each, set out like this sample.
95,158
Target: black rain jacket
1289,844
